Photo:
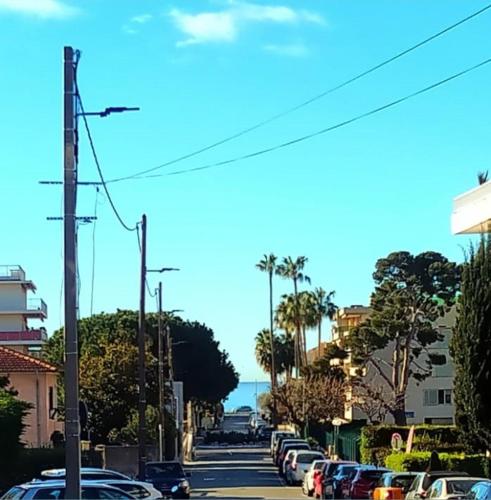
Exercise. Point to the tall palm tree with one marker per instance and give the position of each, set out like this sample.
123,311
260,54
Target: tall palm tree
286,354
263,350
324,308
308,317
292,269
268,265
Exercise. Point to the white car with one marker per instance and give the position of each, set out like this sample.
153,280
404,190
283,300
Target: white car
275,437
137,489
86,473
300,462
455,488
308,481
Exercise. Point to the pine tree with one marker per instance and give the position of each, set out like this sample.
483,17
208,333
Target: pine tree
471,349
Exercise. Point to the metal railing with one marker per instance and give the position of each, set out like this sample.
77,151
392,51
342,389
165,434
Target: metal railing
34,334
37,305
12,273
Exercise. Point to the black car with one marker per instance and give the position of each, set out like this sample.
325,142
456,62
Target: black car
169,478
264,433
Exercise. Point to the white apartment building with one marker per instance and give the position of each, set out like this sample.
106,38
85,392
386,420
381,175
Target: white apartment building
17,308
429,401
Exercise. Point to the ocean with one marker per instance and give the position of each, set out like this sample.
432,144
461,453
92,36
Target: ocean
244,394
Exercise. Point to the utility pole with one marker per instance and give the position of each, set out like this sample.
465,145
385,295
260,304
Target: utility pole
72,420
161,378
142,402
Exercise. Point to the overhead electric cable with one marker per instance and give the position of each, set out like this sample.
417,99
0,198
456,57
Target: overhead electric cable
308,101
92,281
324,130
96,160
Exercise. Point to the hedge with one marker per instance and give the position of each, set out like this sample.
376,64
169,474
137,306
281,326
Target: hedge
375,440
230,437
474,465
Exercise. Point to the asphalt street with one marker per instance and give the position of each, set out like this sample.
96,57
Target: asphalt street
237,472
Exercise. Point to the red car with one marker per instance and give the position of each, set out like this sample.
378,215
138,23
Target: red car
365,480
324,475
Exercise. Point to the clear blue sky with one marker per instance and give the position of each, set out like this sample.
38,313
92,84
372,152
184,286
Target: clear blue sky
201,70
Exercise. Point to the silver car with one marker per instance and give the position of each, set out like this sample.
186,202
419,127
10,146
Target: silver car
38,490
137,489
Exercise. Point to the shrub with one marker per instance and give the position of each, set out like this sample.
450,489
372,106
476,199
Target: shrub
475,465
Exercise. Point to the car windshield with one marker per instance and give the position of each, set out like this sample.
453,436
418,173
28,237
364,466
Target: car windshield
164,470
318,465
460,486
307,458
345,470
371,475
403,482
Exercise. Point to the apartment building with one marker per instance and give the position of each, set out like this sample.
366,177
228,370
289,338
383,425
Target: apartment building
472,211
429,401
17,309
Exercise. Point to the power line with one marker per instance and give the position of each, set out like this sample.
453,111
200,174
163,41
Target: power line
152,294
324,130
92,280
96,160
308,101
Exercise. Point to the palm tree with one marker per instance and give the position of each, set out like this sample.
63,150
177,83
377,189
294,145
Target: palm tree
268,265
324,308
263,350
292,269
308,317
286,354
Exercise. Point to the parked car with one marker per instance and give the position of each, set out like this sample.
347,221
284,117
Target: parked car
424,480
480,491
56,489
283,445
264,433
455,488
243,409
137,489
299,464
277,437
285,466
393,485
338,485
297,445
364,480
308,486
169,478
86,473
323,480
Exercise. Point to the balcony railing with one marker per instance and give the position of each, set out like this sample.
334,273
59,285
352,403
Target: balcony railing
37,305
12,273
31,335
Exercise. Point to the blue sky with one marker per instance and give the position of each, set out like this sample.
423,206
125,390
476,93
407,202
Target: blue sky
202,70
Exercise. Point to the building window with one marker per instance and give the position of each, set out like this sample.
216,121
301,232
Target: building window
436,397
51,400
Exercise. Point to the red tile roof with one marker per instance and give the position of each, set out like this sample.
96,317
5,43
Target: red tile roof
12,361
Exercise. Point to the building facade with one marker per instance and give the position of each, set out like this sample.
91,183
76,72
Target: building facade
17,308
429,401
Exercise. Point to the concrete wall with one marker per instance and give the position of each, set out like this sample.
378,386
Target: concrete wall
34,388
13,297
11,322
124,459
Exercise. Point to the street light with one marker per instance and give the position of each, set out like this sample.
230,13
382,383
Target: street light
160,347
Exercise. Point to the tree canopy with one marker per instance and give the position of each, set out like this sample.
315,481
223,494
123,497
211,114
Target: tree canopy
471,349
411,293
108,365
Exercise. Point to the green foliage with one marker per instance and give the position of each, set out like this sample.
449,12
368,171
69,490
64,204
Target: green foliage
471,350
411,293
474,465
108,366
375,440
12,414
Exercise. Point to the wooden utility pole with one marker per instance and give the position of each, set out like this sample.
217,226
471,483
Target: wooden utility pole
142,401
161,345
72,420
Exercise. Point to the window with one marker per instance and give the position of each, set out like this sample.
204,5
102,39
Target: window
135,490
49,493
436,490
436,397
51,402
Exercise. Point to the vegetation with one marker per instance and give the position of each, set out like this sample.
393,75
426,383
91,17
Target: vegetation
474,465
471,350
411,293
12,414
108,366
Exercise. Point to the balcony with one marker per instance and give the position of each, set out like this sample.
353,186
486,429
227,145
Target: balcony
32,336
32,308
16,275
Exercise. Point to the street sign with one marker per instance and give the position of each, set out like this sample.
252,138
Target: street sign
396,441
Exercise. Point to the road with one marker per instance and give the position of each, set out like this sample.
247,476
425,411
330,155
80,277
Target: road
230,473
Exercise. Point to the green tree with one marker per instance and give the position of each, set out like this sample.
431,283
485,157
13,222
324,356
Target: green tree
471,349
268,265
108,365
12,414
293,269
324,308
284,352
411,293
